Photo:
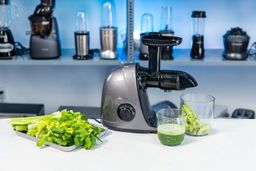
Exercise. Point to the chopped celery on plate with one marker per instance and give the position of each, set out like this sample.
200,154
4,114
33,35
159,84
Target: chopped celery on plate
65,128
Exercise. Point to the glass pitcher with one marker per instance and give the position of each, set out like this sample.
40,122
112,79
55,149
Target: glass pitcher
8,12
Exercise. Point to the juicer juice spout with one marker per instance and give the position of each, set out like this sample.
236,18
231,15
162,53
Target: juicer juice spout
166,79
171,80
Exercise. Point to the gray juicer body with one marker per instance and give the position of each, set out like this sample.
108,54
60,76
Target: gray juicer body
47,47
121,107
44,38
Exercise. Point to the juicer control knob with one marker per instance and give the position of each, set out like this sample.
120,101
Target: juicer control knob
126,112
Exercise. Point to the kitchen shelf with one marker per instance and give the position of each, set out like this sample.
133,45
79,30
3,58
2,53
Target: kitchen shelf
65,60
213,57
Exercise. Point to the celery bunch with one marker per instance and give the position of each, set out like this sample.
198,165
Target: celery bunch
194,125
64,128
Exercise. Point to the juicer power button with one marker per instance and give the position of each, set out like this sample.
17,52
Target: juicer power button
126,112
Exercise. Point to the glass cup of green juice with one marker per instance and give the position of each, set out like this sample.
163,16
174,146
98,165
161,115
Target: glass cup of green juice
170,127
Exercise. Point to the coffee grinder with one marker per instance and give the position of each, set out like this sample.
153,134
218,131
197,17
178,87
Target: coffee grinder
82,37
8,12
44,38
108,31
198,19
166,28
125,105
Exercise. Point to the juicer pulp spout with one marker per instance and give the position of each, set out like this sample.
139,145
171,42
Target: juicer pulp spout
186,81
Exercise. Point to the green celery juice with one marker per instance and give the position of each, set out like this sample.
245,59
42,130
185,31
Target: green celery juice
171,134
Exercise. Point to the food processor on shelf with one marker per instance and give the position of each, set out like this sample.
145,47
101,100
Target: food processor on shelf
8,12
235,41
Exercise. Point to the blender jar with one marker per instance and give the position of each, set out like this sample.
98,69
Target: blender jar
147,26
81,22
108,31
82,37
166,28
198,21
166,19
8,12
147,23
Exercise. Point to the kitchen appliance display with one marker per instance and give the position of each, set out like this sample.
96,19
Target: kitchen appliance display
125,105
108,32
44,39
235,44
8,12
82,37
147,26
198,19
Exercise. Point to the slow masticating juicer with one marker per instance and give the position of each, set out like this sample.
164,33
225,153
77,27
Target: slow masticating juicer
125,105
44,38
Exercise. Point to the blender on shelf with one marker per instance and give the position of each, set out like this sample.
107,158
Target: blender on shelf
198,18
147,26
44,39
8,13
108,31
82,37
166,28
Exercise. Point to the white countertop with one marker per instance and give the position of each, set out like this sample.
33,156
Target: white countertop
231,146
